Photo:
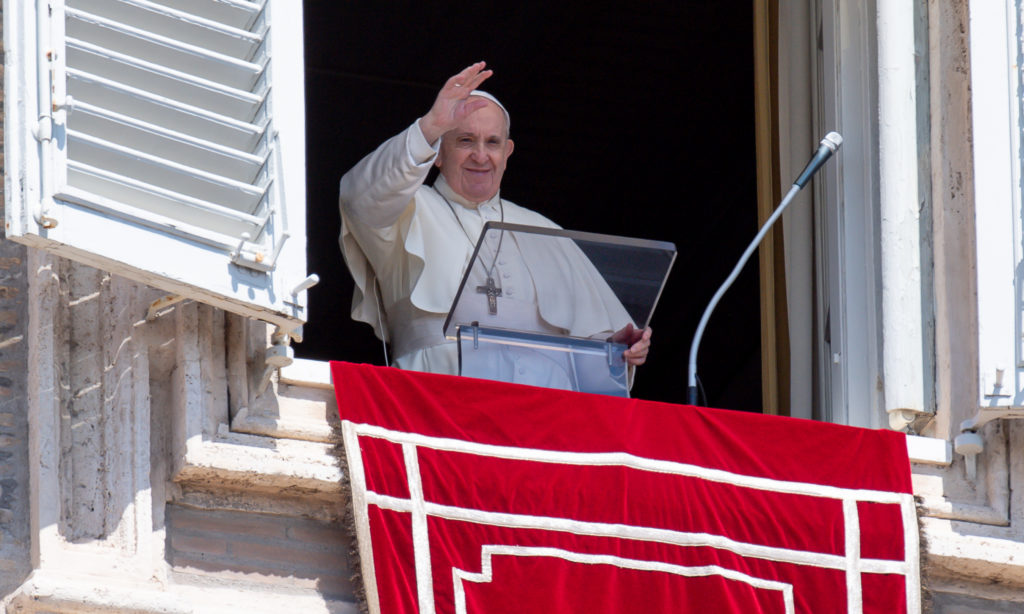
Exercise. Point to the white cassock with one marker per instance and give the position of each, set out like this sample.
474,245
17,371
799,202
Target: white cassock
404,237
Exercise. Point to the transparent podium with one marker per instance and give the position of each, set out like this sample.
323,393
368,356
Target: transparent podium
550,307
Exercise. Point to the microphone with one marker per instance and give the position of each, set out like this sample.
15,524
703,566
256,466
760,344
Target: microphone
829,145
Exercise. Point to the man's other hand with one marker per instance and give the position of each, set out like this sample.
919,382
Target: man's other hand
639,342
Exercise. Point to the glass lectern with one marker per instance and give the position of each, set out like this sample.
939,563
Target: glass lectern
542,306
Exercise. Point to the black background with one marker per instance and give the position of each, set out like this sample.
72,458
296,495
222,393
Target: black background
634,121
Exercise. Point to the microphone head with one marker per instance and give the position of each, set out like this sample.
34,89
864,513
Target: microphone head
832,140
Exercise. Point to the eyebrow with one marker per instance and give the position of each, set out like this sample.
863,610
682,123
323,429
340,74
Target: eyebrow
496,135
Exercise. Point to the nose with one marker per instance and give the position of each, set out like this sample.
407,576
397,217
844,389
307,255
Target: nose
479,154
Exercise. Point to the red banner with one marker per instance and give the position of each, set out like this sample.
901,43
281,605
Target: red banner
473,496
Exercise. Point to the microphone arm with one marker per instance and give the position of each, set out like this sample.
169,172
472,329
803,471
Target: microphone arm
829,145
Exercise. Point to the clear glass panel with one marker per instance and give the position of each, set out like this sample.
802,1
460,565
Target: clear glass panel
574,284
540,305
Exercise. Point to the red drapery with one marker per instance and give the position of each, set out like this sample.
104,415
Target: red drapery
473,496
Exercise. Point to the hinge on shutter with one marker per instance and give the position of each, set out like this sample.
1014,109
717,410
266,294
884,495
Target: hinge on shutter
44,129
257,259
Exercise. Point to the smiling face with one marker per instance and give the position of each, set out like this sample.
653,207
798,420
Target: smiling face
473,155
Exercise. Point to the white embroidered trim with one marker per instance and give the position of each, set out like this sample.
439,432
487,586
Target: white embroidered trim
851,562
424,575
625,531
851,532
624,459
488,551
357,480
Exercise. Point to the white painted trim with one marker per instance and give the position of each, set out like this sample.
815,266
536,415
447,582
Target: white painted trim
846,211
306,372
929,450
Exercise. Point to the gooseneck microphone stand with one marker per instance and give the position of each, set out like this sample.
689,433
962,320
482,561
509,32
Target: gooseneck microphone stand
829,145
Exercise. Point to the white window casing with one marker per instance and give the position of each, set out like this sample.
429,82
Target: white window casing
163,140
846,233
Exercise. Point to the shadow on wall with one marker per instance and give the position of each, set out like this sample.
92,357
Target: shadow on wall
275,551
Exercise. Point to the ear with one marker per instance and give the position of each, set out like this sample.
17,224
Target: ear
440,153
509,146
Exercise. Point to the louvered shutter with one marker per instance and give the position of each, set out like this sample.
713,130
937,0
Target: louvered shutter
170,145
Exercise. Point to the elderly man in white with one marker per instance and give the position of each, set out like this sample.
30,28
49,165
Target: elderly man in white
407,244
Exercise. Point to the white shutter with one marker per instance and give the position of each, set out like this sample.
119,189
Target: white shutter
996,127
167,144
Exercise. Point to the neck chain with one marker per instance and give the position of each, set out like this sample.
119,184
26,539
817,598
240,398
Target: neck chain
491,289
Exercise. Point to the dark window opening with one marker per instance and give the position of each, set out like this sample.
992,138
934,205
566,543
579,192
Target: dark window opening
635,120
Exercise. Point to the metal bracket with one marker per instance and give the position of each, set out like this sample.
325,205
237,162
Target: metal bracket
969,443
304,285
279,354
161,306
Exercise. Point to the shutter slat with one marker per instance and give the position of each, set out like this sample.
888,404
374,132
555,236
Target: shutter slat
202,227
179,25
157,199
224,161
171,84
165,173
160,111
236,13
162,50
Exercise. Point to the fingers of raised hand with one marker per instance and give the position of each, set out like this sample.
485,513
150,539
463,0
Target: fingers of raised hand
466,81
467,107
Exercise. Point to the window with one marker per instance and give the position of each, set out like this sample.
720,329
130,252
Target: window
154,146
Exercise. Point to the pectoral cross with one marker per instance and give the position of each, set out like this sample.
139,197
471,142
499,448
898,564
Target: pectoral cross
493,292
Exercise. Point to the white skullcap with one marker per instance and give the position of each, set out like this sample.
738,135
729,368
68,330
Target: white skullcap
483,94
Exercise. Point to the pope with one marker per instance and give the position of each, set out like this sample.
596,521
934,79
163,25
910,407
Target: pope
406,244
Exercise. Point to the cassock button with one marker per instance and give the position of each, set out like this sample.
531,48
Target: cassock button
506,275
509,291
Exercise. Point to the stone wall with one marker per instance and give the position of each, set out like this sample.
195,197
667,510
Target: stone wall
271,550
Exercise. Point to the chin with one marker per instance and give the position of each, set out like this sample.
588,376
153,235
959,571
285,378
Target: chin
479,195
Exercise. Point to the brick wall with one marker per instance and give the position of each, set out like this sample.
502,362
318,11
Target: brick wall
14,500
265,549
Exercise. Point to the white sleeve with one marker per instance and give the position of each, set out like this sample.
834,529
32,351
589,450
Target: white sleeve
377,190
